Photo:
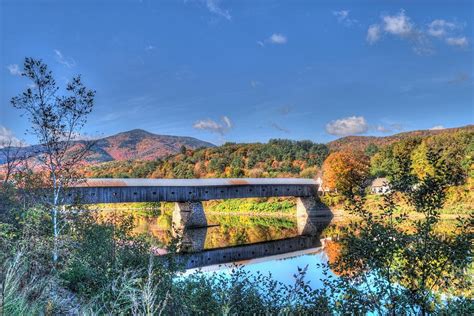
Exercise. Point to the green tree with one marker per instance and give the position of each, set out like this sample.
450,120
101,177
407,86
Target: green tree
371,150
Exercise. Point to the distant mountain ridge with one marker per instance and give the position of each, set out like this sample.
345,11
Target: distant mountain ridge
361,142
139,144
136,144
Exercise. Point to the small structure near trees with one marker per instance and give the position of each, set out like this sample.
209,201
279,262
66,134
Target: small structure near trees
380,186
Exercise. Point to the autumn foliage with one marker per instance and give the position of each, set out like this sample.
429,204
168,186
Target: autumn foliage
345,171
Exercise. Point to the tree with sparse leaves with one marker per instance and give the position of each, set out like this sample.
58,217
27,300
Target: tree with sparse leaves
56,121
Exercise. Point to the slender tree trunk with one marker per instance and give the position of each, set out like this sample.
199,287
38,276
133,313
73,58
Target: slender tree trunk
55,218
55,233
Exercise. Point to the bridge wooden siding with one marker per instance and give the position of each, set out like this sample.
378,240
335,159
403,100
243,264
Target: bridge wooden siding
94,191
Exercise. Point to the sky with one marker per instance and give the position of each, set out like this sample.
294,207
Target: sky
248,71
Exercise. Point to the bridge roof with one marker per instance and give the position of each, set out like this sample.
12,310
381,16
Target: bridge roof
102,182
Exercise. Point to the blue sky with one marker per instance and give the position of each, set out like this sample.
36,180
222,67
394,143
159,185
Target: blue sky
249,71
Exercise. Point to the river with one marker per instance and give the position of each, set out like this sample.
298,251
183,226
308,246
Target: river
276,244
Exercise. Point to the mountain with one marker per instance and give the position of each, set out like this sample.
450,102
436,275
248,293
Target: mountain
136,144
361,142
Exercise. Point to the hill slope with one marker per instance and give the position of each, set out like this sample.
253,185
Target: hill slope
136,144
361,142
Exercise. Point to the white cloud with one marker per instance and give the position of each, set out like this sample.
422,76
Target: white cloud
342,17
8,139
444,29
440,28
457,41
14,70
60,58
277,38
437,128
399,24
220,128
373,34
352,125
213,6
150,47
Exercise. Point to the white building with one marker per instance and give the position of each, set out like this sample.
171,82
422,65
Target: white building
379,186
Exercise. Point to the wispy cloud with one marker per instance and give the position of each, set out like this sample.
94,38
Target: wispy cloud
285,109
280,128
214,7
275,38
382,129
255,83
401,25
342,17
352,125
14,70
212,126
440,28
387,128
459,78
373,34
449,31
60,58
457,41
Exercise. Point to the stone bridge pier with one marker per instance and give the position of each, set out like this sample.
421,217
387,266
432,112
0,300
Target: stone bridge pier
312,216
189,214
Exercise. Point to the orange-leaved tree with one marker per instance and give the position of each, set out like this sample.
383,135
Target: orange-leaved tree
345,171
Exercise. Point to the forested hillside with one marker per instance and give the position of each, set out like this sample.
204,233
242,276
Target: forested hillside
286,158
276,158
362,142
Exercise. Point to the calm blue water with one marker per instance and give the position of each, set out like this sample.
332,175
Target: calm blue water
281,267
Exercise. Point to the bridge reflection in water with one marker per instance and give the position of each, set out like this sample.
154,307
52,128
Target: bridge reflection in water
194,255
